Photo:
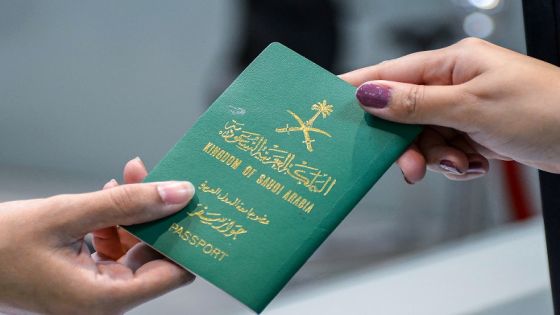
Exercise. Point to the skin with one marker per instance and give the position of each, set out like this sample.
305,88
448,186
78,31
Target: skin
478,101
45,266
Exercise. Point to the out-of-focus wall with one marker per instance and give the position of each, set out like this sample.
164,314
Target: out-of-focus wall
87,85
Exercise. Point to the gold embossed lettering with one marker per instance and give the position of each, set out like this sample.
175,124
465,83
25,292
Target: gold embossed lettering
196,241
222,155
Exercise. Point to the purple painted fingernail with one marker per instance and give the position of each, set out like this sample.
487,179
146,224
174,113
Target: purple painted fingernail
449,167
476,167
373,95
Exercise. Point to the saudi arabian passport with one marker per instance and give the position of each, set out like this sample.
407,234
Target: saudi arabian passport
278,161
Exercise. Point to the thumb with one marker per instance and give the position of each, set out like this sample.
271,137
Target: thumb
414,104
122,205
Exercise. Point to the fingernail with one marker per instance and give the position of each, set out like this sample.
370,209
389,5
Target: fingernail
110,184
449,167
373,95
173,193
406,179
476,167
138,159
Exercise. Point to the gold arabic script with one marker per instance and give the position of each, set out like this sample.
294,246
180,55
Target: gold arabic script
226,226
276,158
236,203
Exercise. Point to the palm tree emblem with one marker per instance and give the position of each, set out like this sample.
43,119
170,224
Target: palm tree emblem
322,109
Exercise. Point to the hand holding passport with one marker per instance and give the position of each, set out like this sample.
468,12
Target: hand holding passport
278,161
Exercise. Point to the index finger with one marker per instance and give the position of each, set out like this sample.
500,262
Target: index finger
431,67
451,65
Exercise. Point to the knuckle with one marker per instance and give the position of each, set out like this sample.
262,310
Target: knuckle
467,109
472,42
412,98
122,198
469,100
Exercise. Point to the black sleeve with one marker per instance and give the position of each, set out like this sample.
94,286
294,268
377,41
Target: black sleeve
542,34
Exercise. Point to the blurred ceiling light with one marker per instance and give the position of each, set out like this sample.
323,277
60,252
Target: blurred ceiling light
485,4
478,25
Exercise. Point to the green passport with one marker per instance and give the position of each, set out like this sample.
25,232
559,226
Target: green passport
278,161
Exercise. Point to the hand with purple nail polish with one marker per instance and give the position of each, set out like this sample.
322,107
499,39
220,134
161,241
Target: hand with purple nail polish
46,266
478,101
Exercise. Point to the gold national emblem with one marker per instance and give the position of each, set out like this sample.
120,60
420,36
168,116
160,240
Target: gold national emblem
321,108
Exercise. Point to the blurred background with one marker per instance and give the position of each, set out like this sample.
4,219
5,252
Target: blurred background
87,85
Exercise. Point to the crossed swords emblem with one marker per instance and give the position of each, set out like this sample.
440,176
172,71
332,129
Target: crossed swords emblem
323,109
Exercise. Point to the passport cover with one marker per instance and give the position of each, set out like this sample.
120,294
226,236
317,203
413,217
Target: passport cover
278,160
